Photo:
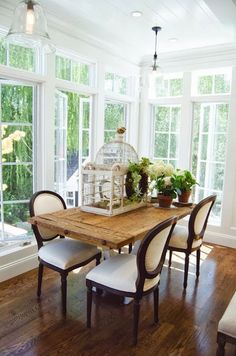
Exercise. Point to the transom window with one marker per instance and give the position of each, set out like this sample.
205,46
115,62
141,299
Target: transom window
167,85
74,70
209,82
116,83
19,57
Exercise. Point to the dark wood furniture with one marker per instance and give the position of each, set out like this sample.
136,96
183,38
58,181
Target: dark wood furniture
188,240
133,275
62,255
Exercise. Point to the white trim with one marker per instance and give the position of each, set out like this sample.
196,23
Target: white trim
220,239
19,261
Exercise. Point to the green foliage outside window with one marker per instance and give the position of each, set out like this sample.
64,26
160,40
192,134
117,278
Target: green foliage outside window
73,71
17,156
114,117
116,83
17,56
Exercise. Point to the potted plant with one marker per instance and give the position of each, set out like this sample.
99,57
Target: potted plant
166,191
161,176
136,183
184,180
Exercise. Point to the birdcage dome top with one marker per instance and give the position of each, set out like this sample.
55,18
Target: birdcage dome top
116,151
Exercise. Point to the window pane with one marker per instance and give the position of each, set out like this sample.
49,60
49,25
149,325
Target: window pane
162,118
84,74
222,85
18,180
175,119
22,58
114,115
116,83
221,117
15,221
173,146
219,147
203,155
63,68
16,103
85,144
3,52
17,143
176,87
161,145
109,81
205,84
86,110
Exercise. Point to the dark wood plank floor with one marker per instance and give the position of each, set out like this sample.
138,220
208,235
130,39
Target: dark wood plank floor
188,322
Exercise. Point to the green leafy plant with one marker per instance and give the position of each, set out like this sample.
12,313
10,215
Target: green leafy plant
165,186
183,180
137,179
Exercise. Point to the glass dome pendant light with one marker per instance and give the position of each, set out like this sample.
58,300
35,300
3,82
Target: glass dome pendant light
155,66
29,26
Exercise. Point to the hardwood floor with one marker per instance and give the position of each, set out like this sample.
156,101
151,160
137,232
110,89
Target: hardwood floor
188,321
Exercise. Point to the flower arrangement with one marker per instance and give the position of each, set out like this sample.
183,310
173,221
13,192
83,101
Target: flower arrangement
169,182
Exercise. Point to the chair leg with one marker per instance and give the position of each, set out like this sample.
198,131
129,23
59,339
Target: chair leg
186,265
64,290
89,306
170,257
156,304
221,345
198,263
98,257
136,320
40,277
130,247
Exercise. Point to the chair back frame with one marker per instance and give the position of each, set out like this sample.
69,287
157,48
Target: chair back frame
38,236
191,232
141,255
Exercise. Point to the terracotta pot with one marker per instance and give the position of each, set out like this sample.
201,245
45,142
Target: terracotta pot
164,200
184,197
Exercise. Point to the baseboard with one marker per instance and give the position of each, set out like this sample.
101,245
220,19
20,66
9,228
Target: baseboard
220,239
18,262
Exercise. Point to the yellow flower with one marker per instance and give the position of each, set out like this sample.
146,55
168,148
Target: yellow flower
17,135
7,145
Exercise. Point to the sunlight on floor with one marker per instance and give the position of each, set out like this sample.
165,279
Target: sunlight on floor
178,259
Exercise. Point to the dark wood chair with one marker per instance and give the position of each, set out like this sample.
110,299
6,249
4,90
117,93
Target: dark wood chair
133,276
189,239
60,253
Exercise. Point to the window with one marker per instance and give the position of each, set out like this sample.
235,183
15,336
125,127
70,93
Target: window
115,116
210,124
166,132
116,83
72,141
18,56
73,70
16,158
168,85
217,81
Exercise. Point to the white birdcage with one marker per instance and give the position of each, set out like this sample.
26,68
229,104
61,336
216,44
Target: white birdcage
103,181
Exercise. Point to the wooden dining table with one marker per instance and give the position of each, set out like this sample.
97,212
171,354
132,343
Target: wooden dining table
107,231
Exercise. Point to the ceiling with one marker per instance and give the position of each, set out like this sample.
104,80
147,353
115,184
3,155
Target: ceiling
193,23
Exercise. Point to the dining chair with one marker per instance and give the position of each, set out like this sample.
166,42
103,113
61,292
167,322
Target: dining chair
60,253
189,239
131,275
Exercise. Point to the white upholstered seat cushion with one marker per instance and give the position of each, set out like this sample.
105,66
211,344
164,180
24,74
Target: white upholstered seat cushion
65,253
120,273
179,238
227,324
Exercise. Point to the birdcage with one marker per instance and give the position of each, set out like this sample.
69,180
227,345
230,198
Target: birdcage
103,181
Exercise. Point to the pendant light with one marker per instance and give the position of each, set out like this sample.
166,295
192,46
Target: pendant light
29,26
155,66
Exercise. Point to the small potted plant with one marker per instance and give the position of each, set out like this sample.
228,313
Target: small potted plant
166,191
184,180
136,183
161,176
